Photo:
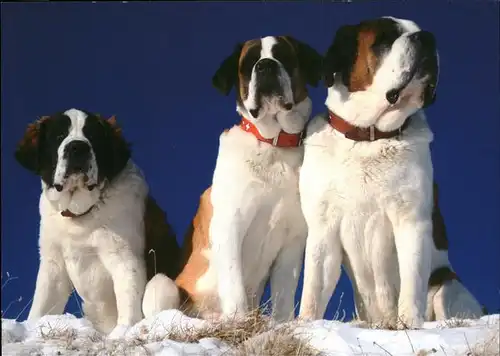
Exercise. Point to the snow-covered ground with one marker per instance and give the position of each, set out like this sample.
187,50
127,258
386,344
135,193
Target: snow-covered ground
68,335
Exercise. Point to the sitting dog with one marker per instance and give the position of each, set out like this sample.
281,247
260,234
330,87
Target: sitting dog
100,231
249,225
366,183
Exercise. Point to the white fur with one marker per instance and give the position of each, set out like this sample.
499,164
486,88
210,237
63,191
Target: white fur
100,254
257,229
451,300
368,205
372,200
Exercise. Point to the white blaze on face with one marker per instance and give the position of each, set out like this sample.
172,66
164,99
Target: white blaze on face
267,44
75,134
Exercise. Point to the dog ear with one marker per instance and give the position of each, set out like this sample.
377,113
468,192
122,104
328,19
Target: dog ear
227,74
120,148
341,55
310,61
28,149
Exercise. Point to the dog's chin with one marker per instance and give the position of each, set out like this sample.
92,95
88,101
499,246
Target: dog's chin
270,105
76,198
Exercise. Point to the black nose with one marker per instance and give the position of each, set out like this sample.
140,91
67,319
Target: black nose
425,38
78,153
267,66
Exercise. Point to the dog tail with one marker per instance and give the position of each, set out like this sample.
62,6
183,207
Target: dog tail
161,293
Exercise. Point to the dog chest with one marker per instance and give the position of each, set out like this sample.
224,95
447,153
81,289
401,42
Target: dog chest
88,275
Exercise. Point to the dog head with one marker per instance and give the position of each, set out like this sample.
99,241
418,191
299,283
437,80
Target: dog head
74,152
270,75
383,65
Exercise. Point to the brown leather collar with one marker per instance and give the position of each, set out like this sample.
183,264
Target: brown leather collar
356,133
68,214
284,139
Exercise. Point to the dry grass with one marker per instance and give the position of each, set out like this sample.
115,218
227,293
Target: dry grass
490,347
454,323
255,334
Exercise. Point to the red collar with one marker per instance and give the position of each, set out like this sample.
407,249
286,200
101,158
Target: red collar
284,139
68,214
356,133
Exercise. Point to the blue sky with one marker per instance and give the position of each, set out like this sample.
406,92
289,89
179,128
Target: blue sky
151,65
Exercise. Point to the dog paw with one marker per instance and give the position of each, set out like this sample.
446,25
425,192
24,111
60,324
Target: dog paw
408,323
118,332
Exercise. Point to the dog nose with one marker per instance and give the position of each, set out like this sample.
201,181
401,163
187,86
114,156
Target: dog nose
267,66
425,38
78,151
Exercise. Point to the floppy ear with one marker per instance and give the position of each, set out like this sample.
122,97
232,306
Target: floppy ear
27,152
121,152
310,61
341,55
227,74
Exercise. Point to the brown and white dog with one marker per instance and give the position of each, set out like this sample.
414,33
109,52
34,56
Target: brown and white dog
249,225
366,183
101,232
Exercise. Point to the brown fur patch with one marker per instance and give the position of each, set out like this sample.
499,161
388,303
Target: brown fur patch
365,63
162,253
196,241
299,86
30,138
243,84
439,235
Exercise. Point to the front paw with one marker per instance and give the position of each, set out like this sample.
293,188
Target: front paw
119,332
409,321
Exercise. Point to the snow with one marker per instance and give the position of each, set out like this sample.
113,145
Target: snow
69,335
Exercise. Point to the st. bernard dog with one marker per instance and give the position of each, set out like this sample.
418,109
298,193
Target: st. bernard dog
366,183
101,233
249,225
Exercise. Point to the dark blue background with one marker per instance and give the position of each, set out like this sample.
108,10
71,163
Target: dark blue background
151,65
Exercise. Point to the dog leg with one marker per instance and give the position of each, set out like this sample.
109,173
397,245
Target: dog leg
413,238
386,277
230,222
53,285
453,300
129,281
102,315
284,278
323,259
